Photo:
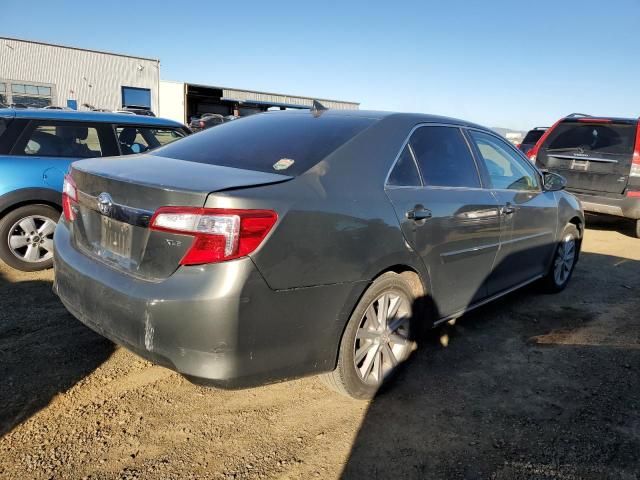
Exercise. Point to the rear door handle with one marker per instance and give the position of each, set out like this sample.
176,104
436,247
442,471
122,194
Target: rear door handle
418,213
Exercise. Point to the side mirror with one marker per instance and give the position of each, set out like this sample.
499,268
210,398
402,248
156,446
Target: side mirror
553,182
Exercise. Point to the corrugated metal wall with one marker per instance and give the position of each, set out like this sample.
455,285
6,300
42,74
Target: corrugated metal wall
246,95
89,77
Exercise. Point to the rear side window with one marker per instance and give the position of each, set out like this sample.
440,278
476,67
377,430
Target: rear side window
444,157
63,141
290,143
134,139
612,138
405,172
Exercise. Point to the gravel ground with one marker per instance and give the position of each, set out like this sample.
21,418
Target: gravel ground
533,386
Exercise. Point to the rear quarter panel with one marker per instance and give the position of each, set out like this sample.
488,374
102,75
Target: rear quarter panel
336,224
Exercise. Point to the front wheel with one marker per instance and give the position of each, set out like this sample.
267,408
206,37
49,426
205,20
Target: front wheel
377,339
26,237
564,260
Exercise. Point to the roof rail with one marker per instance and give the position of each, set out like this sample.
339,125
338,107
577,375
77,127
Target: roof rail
574,115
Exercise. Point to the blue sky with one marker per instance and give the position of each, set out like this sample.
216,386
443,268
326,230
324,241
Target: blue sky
515,64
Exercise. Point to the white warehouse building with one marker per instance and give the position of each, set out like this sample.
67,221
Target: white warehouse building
42,74
36,74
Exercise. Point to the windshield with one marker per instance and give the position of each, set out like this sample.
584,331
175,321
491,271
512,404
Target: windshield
272,142
611,138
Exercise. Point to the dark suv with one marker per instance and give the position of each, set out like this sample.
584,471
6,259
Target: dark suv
600,158
531,138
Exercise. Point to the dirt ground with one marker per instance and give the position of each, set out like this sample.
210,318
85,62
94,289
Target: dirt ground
533,386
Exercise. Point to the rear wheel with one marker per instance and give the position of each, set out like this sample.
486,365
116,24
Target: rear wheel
637,231
26,237
564,260
378,338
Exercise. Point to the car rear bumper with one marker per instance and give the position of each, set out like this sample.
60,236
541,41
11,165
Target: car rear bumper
627,207
219,324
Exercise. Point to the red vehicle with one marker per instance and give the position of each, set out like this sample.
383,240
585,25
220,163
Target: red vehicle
600,158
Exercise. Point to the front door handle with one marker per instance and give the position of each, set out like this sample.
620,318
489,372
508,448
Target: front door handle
508,209
418,213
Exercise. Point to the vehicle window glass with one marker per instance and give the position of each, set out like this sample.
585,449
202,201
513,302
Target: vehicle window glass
286,142
142,139
444,157
613,138
3,93
505,167
64,141
533,136
405,173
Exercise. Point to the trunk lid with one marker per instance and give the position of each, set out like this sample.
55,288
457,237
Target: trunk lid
118,196
594,155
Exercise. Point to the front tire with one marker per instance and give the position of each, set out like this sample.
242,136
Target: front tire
377,339
564,260
26,237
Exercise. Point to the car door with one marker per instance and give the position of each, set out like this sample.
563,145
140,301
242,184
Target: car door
529,214
445,214
52,145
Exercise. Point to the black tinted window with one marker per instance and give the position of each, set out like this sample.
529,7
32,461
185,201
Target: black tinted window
290,143
444,157
533,136
616,138
405,173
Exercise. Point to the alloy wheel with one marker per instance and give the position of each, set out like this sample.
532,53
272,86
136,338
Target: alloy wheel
565,258
383,337
31,238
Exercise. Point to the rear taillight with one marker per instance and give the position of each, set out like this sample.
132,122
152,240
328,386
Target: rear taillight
219,234
633,193
69,198
201,124
635,163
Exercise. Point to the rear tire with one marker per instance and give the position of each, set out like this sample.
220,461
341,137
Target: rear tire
377,340
637,230
564,261
26,237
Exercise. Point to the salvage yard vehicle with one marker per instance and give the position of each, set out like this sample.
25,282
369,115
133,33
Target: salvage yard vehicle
600,158
36,148
297,243
530,139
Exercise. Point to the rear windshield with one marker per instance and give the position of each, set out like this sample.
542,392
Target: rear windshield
533,136
274,142
613,138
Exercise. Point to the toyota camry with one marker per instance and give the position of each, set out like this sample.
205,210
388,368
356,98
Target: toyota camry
306,242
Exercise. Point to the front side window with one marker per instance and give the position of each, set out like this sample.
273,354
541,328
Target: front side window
63,141
134,139
3,93
507,171
444,157
405,173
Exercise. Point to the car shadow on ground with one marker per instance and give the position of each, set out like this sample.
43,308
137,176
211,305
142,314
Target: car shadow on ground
624,226
531,386
43,349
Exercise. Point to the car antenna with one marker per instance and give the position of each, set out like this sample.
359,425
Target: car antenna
318,109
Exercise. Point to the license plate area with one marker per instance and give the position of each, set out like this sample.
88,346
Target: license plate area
115,239
580,165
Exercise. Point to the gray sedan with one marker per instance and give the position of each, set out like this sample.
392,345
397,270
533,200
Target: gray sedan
298,243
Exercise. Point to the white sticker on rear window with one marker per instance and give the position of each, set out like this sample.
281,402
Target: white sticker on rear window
283,164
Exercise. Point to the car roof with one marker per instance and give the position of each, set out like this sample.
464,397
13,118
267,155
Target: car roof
86,116
407,118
